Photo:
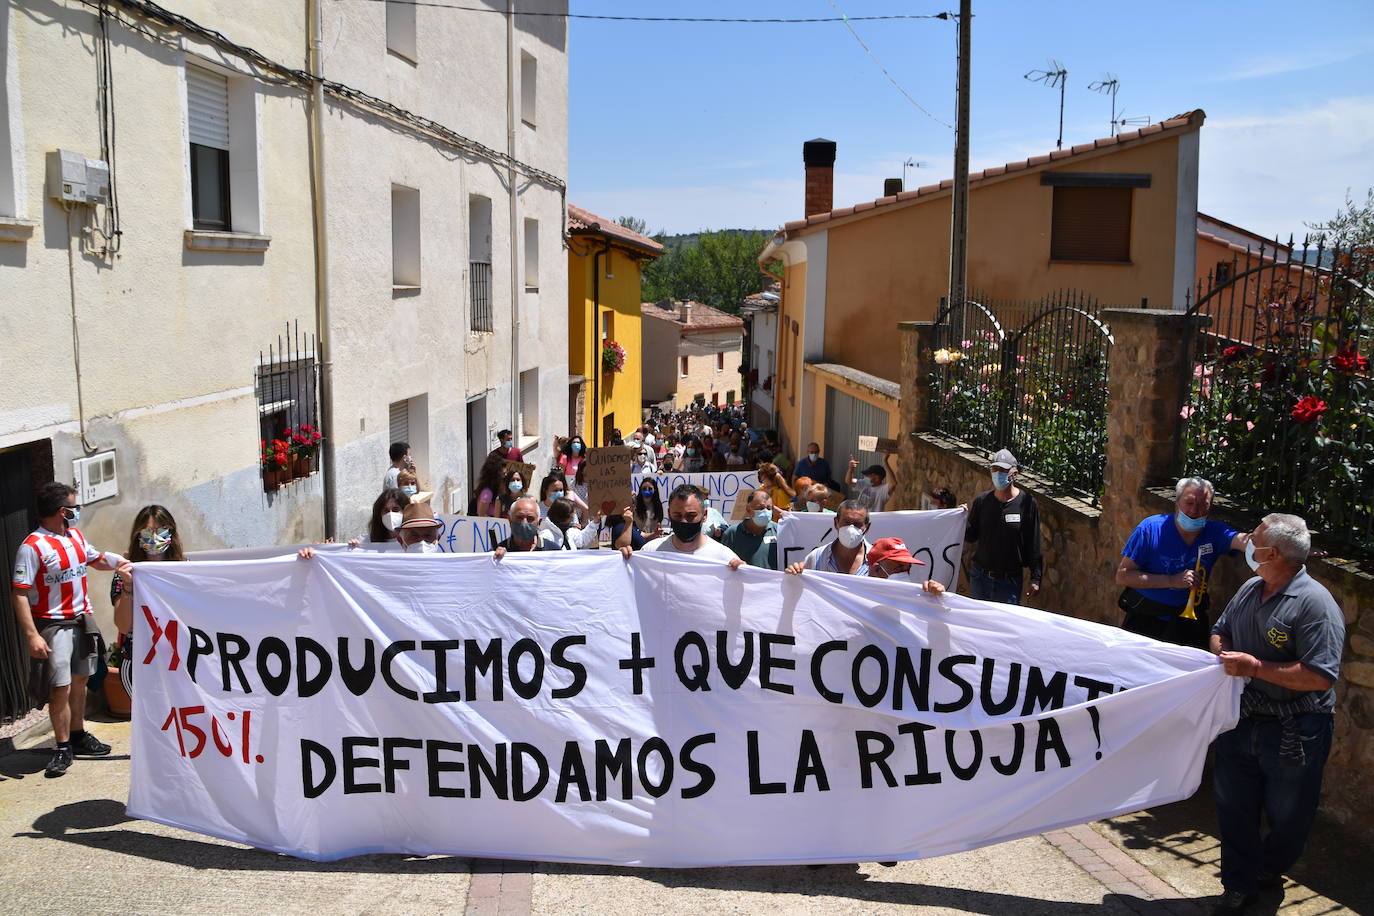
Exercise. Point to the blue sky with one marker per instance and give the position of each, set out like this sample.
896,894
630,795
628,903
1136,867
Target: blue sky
700,126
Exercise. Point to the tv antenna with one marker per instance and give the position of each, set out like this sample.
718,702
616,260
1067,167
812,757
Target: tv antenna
911,163
1123,122
1056,78
1109,84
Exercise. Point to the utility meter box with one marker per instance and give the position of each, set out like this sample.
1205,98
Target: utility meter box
97,477
67,176
97,182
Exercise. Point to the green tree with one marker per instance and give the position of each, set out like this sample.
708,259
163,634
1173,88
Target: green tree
634,224
719,268
1352,226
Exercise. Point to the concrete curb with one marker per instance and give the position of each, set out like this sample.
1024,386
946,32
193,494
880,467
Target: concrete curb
30,737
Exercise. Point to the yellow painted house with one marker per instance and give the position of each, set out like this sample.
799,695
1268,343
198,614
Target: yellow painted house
604,260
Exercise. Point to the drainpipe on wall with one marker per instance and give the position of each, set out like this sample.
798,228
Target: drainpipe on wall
596,340
315,63
515,279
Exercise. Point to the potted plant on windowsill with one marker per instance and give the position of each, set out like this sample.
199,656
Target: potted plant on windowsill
305,442
612,357
276,463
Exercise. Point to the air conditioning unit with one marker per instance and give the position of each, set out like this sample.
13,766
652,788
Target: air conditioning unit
97,477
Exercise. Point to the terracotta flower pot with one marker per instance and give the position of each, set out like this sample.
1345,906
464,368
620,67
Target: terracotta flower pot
117,699
272,480
300,465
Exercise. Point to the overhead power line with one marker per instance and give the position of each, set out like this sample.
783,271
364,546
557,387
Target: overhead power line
847,24
770,21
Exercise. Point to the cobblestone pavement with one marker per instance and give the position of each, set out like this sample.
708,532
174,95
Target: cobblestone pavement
1157,862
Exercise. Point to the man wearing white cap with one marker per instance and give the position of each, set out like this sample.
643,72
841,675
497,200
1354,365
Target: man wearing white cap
1005,524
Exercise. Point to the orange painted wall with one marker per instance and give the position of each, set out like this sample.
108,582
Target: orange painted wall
787,395
894,266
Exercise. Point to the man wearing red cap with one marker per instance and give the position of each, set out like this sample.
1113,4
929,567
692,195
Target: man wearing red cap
890,557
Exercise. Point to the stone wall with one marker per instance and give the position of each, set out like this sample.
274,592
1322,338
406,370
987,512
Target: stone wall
1083,543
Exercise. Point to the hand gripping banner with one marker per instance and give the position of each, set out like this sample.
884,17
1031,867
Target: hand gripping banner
660,711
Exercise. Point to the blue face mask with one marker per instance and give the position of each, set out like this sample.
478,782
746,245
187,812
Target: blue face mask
409,490
762,517
1001,479
691,451
646,493
72,515
1190,524
576,448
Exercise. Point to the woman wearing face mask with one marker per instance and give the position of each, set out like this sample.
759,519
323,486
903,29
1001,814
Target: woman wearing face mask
693,460
409,484
574,451
153,538
560,528
553,488
386,515
512,488
486,500
641,521
815,498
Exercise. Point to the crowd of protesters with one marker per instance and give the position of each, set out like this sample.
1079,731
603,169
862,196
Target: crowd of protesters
1282,630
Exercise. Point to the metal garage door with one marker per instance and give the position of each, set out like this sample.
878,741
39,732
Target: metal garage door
846,419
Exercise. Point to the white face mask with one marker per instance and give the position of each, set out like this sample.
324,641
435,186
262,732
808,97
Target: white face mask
812,506
423,547
390,520
851,536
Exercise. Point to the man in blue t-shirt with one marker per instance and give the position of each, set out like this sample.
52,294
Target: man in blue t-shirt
1166,565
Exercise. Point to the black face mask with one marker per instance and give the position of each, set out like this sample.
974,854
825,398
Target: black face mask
686,531
523,532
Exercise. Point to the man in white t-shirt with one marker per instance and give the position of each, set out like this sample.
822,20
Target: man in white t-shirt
687,515
875,486
52,603
400,461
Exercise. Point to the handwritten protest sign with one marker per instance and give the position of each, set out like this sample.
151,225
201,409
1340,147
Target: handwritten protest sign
936,538
657,712
722,487
607,475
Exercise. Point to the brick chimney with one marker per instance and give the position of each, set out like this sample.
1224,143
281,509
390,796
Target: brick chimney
819,156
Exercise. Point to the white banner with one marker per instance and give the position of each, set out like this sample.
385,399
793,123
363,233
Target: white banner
662,711
935,537
721,486
460,534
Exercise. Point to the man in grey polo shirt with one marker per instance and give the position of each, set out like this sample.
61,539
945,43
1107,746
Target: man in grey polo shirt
1284,632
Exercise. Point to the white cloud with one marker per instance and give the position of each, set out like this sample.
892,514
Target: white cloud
1272,171
1276,62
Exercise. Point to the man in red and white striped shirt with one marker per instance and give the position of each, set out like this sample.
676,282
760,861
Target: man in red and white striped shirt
53,606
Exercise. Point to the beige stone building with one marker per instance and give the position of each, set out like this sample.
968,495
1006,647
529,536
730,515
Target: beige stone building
692,354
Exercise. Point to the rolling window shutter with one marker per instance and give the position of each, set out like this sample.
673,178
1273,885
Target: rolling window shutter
400,421
207,108
1091,224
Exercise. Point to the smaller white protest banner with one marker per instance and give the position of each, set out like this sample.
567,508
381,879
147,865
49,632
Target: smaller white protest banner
936,538
721,486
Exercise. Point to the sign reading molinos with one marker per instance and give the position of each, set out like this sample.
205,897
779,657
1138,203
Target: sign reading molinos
661,711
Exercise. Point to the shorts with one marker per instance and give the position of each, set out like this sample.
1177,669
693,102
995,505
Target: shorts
72,652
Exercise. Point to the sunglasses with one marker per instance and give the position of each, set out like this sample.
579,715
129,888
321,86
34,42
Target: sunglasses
428,535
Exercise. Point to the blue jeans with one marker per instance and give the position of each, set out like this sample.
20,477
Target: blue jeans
1249,779
986,588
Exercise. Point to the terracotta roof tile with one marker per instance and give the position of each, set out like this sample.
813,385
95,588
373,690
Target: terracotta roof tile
585,222
1188,119
703,316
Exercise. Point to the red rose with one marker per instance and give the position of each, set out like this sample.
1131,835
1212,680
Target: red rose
1349,360
1234,352
1309,409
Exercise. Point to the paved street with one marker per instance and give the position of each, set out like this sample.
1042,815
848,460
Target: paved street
1153,862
